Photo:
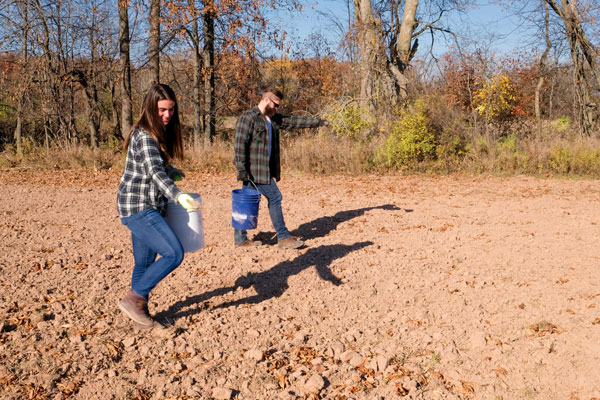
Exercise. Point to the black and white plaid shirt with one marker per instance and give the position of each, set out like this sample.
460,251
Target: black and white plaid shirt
145,183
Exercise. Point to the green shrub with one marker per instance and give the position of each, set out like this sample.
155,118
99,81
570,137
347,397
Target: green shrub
563,123
574,161
509,143
348,120
510,158
412,139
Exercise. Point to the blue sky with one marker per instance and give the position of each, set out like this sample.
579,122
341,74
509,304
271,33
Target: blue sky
491,25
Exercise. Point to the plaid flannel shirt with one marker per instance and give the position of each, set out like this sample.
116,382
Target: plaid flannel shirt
251,144
145,183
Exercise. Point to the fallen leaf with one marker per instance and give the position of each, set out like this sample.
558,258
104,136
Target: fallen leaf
467,387
543,327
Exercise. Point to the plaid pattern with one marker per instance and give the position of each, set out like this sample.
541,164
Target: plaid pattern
145,183
251,143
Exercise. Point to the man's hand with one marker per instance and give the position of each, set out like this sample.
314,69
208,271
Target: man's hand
323,122
243,176
188,202
175,174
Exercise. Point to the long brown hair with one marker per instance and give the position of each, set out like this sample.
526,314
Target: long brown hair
168,137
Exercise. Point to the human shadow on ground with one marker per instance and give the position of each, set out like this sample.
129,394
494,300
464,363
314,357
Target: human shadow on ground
267,284
322,226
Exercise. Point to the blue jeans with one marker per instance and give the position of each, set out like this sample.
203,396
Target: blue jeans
273,195
151,235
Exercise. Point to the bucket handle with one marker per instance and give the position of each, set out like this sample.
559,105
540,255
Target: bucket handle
252,182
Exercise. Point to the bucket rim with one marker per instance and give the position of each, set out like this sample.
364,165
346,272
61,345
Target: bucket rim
240,191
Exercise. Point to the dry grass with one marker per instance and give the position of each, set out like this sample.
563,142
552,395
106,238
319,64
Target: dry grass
322,153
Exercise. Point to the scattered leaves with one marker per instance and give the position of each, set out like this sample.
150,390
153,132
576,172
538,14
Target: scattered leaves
305,354
401,390
444,227
7,380
80,266
115,349
68,388
467,388
544,328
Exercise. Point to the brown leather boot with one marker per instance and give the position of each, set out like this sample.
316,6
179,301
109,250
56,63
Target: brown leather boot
135,307
291,242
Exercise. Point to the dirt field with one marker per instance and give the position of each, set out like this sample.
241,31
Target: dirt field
409,287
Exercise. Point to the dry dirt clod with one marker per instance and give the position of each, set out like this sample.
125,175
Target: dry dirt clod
254,354
314,384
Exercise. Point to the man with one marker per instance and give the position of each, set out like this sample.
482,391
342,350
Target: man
257,159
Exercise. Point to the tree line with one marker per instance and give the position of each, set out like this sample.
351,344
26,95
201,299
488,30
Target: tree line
74,71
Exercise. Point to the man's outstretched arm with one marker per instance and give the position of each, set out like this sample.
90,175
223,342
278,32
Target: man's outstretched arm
291,122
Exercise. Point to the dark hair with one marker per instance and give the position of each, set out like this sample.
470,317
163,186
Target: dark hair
168,137
275,91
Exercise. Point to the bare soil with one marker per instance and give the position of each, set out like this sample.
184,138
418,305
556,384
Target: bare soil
409,287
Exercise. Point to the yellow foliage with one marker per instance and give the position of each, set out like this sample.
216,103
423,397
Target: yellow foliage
495,98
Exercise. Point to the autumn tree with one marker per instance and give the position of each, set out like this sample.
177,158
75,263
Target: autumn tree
387,35
583,54
211,28
154,42
125,64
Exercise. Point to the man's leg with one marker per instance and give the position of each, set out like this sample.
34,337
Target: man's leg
239,236
274,197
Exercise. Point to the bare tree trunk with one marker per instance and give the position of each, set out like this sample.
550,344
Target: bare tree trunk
365,26
208,56
126,108
154,42
91,89
383,76
197,76
117,133
18,134
581,49
404,46
542,70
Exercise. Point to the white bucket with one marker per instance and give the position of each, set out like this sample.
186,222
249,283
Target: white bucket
186,224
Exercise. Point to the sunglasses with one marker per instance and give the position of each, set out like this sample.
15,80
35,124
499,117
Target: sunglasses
276,105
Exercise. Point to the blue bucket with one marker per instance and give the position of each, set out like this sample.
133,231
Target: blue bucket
244,208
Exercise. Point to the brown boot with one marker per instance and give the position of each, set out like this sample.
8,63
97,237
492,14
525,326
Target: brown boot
291,242
135,307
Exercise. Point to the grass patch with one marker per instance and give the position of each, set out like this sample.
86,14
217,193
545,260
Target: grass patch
322,152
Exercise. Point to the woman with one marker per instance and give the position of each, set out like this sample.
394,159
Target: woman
145,187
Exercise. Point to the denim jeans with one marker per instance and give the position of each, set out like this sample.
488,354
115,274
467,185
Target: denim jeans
151,235
273,195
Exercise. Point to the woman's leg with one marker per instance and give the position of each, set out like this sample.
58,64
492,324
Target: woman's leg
151,235
143,257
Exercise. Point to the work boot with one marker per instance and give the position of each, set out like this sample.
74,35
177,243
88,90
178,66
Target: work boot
291,242
136,308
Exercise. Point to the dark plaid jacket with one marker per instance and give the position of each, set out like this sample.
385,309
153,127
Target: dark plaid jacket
145,183
251,143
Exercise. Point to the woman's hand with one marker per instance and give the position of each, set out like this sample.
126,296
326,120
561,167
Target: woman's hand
188,202
175,174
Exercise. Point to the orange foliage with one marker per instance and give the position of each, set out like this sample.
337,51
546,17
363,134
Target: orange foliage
463,77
